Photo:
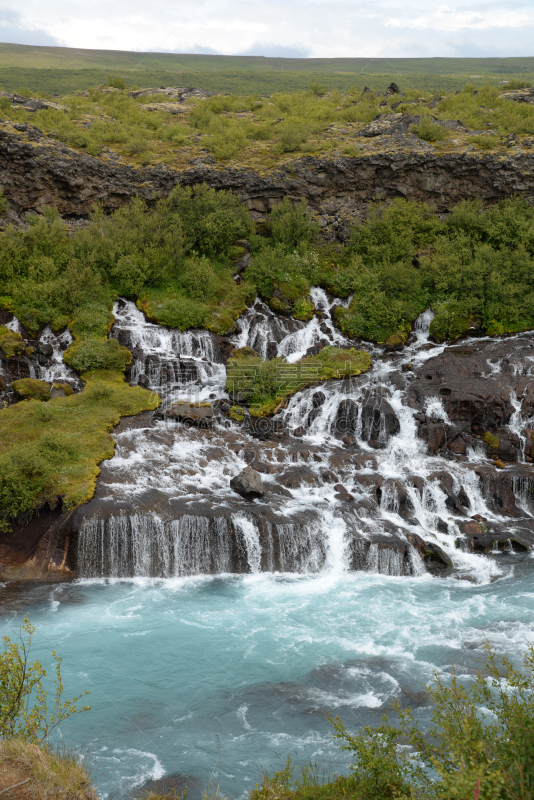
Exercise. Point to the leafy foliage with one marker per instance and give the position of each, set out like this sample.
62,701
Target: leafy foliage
23,699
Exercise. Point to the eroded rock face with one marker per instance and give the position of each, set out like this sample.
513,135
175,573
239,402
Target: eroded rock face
469,395
37,171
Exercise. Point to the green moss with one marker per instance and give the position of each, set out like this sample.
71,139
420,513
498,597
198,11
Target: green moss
303,309
268,383
217,312
491,440
11,342
32,389
54,450
236,413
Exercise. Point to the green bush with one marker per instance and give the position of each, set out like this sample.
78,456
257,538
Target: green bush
91,354
291,225
180,312
211,220
24,710
429,131
480,743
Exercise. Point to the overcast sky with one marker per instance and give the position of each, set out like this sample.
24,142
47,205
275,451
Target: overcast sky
294,28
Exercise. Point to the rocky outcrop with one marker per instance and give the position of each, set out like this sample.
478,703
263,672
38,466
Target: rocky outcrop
37,171
248,484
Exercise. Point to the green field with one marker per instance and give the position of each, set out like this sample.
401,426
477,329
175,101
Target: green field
61,70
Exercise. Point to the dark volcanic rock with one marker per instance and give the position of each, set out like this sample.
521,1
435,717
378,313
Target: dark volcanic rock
37,171
200,415
248,484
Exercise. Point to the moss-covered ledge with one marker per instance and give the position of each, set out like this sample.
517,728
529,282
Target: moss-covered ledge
265,385
53,449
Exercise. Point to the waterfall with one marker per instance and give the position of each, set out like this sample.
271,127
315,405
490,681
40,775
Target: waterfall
355,489
179,365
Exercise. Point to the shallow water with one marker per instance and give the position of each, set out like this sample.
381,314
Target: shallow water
227,675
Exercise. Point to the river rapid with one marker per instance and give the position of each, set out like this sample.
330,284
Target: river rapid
214,634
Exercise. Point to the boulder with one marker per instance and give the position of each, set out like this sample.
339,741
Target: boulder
346,420
248,484
379,422
199,414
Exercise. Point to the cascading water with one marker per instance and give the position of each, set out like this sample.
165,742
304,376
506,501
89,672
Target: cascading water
176,476
233,624
177,364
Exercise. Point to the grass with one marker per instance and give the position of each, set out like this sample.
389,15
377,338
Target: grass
52,449
268,384
48,774
260,131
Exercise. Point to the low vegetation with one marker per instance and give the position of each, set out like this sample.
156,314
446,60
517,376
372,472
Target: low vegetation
27,758
480,746
51,450
260,130
266,385
475,269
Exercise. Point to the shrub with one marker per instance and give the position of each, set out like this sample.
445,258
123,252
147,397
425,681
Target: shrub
116,82
480,743
429,131
211,220
318,89
199,279
292,136
291,225
91,354
180,312
23,700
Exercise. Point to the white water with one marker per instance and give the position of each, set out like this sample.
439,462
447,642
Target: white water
190,666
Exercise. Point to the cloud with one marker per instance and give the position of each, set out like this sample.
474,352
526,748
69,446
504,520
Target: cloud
273,50
289,28
14,30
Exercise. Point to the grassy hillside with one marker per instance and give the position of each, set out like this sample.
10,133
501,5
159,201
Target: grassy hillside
62,70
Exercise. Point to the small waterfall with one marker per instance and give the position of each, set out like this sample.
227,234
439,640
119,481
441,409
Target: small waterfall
179,365
56,370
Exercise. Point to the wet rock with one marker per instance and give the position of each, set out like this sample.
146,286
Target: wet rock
248,484
346,420
142,380
433,433
379,422
299,432
44,349
200,414
349,440
328,477
298,476
318,399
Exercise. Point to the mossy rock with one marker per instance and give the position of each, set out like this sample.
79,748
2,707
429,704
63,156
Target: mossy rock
303,309
244,352
491,440
11,342
66,388
266,384
279,306
397,340
237,414
32,389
